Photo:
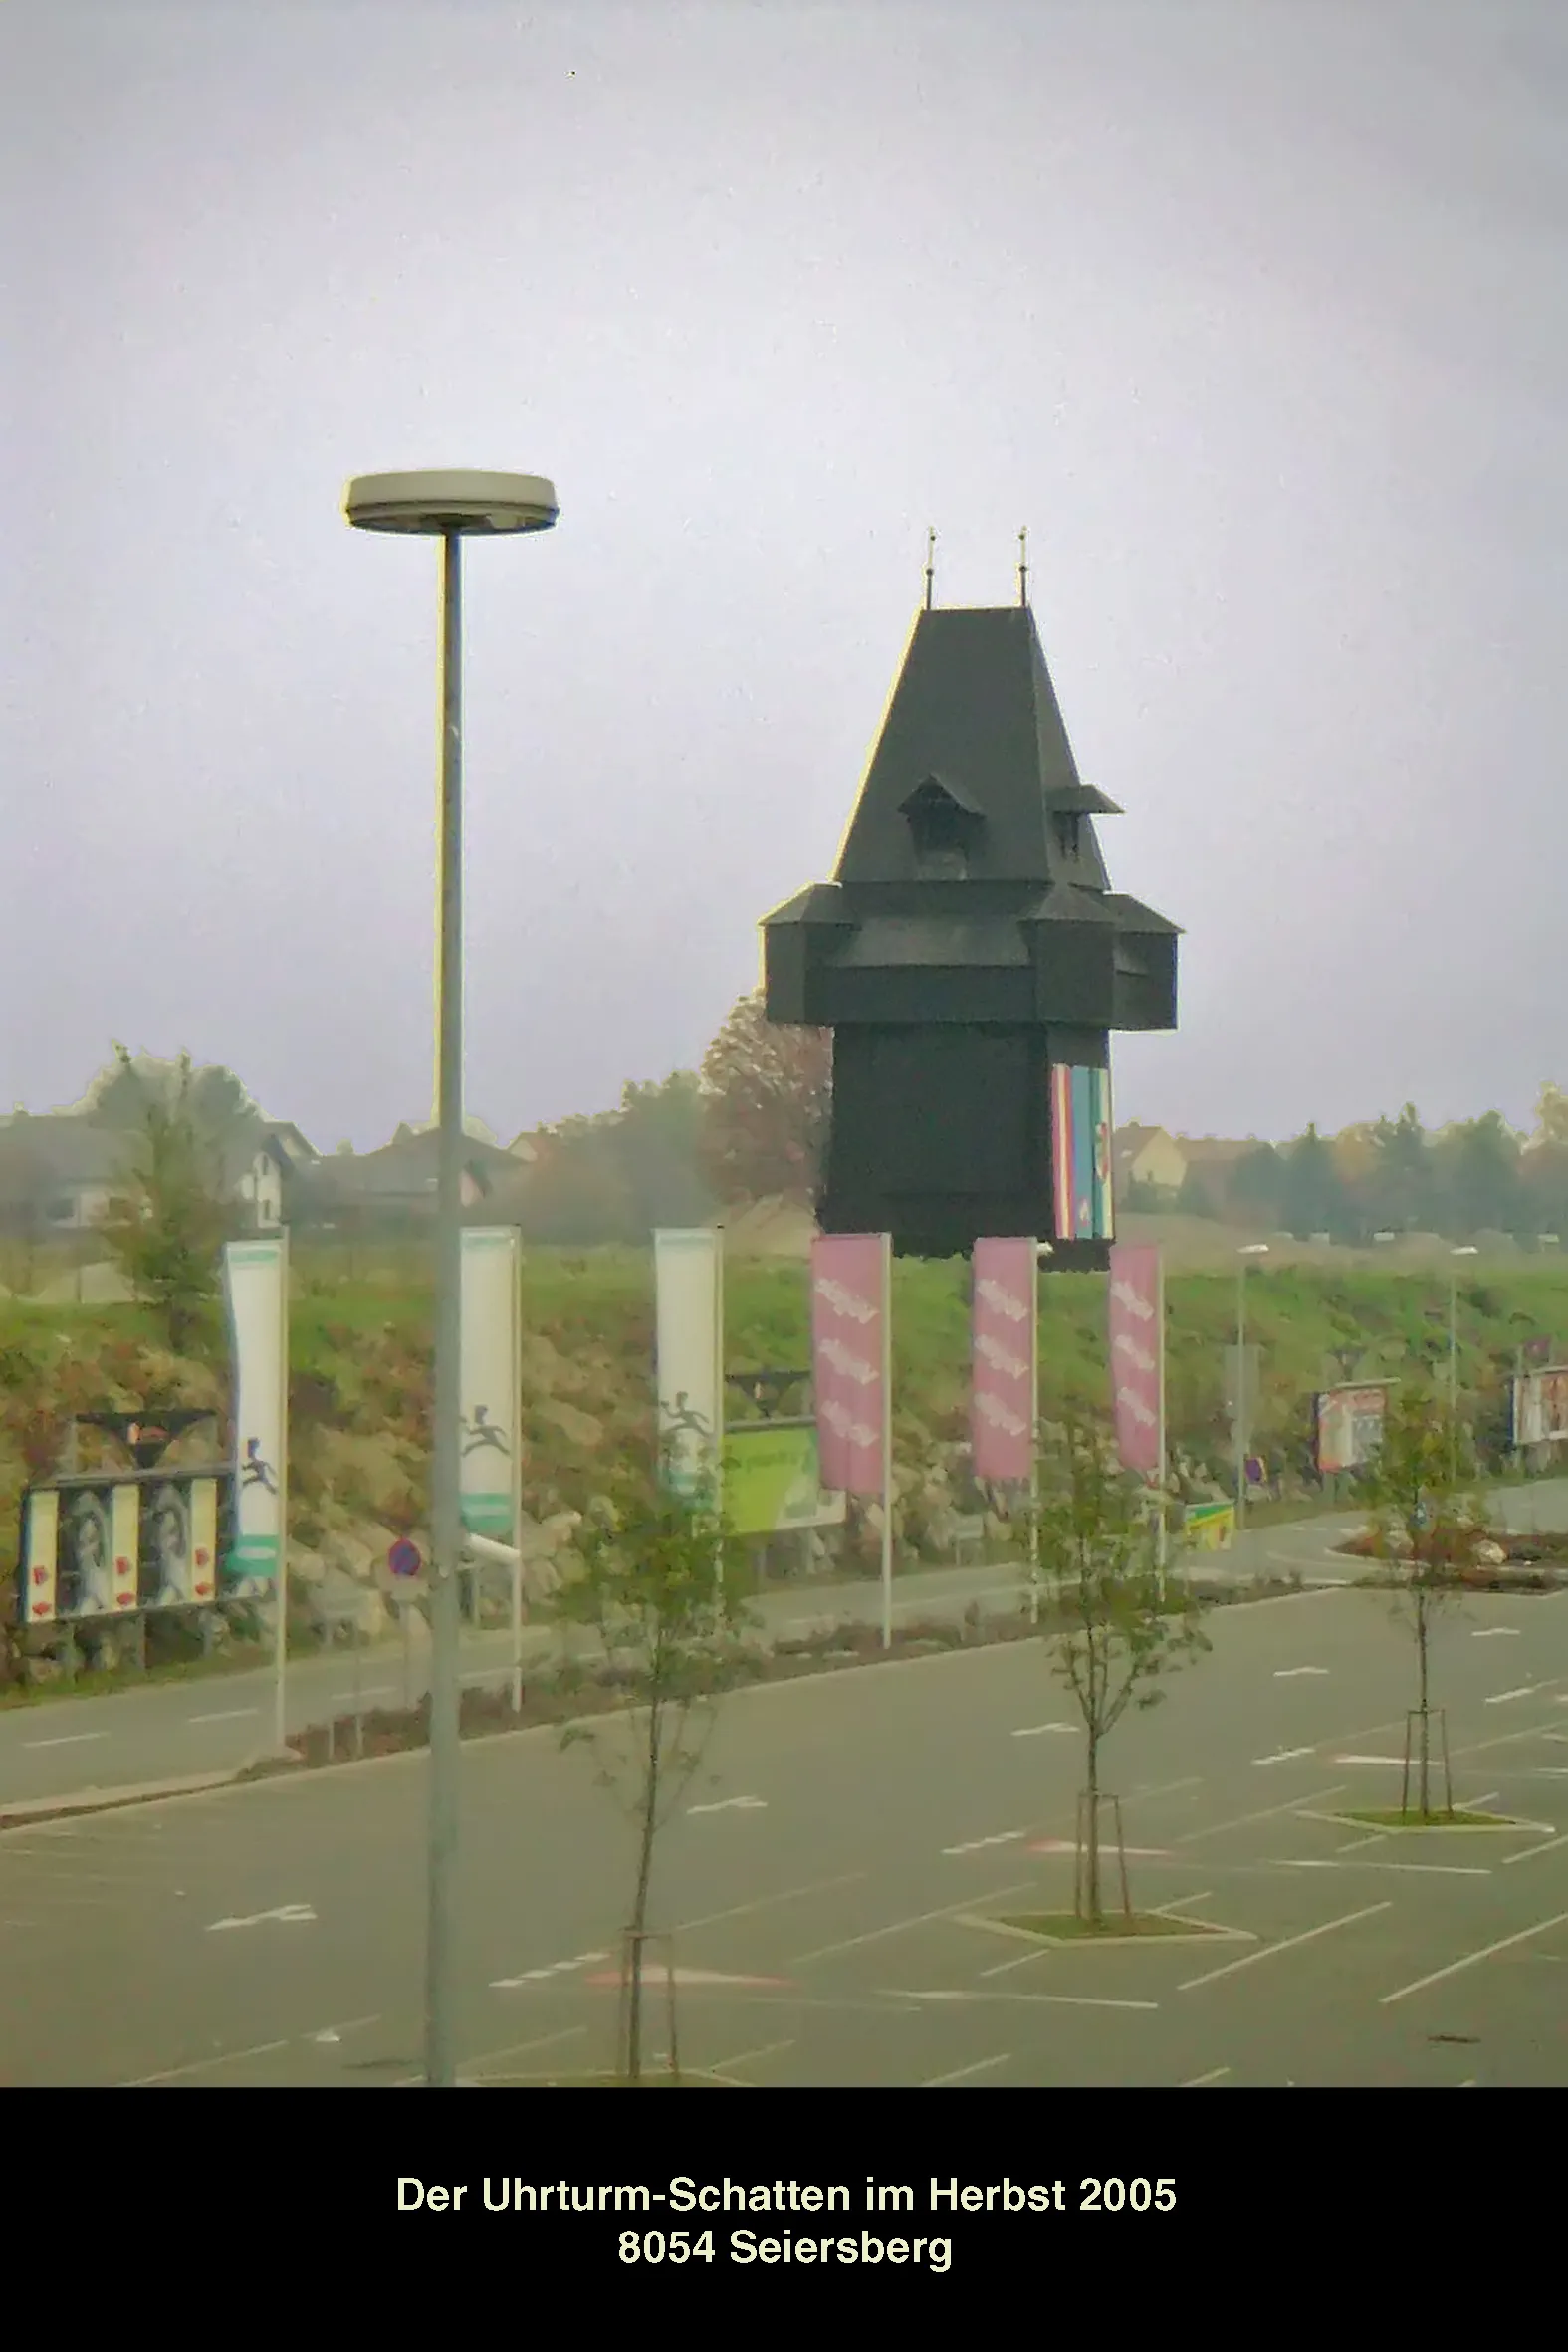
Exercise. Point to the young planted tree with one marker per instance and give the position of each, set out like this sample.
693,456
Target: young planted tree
1426,1525
660,1596
1118,1627
167,1231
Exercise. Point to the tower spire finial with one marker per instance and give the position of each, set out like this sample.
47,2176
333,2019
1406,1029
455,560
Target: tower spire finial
931,549
1024,567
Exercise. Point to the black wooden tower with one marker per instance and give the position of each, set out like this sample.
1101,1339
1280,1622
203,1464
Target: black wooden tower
971,960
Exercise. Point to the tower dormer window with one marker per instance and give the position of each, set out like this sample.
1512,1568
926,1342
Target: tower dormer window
945,826
1068,835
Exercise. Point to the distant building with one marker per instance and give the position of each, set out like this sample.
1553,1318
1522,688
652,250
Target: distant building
1147,1156
396,1186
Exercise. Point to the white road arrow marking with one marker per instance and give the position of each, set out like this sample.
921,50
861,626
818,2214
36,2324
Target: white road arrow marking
1491,1632
294,1914
1033,1731
1526,1690
1285,1755
1288,1673
977,1845
733,1805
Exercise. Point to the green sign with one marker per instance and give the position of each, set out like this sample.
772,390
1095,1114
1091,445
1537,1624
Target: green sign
773,1482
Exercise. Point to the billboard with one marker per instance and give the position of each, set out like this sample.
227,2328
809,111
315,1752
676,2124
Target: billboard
852,1367
772,1480
96,1546
1137,1352
1080,1144
688,1274
256,1287
491,1381
1209,1526
1349,1426
1540,1407
1002,1403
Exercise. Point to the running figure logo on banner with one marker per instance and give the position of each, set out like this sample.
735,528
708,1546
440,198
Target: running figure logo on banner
1080,1140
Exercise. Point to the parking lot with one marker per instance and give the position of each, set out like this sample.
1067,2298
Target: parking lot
832,1887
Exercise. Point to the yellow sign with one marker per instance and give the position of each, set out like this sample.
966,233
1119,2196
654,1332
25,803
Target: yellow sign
1209,1526
772,1479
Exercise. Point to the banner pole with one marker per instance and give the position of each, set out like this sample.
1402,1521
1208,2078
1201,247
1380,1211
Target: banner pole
514,1256
280,1721
887,1441
1161,1538
1035,1435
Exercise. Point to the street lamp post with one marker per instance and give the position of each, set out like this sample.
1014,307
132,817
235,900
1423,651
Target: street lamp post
1242,1400
1464,1250
449,507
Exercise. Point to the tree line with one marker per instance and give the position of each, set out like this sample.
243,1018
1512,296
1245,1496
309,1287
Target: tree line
1394,1176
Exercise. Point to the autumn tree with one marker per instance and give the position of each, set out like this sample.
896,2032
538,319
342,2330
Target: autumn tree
1425,1526
660,1596
1118,1627
211,1097
766,1087
168,1226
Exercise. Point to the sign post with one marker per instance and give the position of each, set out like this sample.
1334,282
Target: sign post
404,1561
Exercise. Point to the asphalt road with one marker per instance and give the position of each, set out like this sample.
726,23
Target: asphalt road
847,1859
221,1721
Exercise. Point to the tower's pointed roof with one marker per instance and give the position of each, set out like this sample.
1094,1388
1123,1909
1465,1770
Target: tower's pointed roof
975,710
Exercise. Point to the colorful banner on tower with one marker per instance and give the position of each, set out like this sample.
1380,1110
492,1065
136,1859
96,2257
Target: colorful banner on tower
1002,1392
1137,1350
1080,1134
1540,1407
852,1367
1349,1426
688,1273
256,1289
491,1381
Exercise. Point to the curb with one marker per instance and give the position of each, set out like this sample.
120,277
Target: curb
33,1810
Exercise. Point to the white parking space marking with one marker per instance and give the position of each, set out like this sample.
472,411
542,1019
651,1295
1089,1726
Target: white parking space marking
1473,1959
1286,1944
939,2082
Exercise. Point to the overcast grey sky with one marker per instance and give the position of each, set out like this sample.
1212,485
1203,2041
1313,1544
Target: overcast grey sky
1256,312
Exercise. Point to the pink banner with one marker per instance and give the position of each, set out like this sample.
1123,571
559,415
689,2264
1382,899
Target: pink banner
1137,1341
1002,1396
849,1336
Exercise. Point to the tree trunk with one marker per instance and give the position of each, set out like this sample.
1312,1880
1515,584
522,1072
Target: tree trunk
1422,1718
1092,1828
639,1907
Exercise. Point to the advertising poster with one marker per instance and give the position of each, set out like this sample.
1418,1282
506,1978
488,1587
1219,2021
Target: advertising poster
1080,1131
1004,1373
1137,1350
256,1285
688,1273
1349,1427
772,1480
491,1381
1540,1407
851,1358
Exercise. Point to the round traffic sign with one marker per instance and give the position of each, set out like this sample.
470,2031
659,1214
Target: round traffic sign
405,1558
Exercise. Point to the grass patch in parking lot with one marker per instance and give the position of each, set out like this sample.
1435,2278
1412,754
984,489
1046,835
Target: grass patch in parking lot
1390,1817
1065,1927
